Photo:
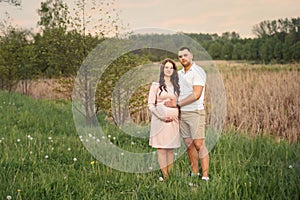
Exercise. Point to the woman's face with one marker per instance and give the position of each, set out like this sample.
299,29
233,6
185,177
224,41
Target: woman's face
168,69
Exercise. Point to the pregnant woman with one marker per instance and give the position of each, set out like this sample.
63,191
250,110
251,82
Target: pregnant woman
164,128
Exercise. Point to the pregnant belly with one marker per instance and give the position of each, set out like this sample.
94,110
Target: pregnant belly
166,111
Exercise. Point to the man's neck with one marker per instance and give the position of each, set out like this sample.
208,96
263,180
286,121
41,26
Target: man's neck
187,68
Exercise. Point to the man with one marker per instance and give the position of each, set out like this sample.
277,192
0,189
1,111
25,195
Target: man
192,79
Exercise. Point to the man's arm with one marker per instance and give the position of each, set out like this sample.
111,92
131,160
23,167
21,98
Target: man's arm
197,91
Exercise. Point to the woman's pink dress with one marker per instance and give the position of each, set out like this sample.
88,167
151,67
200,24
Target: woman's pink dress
163,134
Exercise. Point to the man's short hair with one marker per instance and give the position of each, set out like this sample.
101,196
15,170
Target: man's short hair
184,48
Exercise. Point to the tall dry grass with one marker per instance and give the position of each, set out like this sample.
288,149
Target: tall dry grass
263,99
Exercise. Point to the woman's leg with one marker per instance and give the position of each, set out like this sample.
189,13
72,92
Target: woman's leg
170,159
163,162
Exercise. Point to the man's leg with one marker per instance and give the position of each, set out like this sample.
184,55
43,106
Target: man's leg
203,155
205,165
193,154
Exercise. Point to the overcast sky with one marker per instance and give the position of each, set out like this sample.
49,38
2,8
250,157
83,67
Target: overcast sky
197,16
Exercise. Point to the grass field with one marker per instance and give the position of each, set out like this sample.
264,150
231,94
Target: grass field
42,157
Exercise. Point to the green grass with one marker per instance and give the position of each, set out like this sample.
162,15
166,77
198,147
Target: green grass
31,130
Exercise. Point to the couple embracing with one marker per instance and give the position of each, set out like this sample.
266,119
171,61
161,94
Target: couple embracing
177,106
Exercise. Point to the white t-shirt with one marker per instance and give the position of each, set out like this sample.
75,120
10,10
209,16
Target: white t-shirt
195,76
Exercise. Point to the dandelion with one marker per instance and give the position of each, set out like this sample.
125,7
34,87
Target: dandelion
132,143
176,154
114,138
290,166
46,156
74,159
90,135
8,197
98,140
69,149
150,168
92,162
103,137
122,154
80,136
109,136
0,141
30,152
86,140
191,184
94,138
52,148
19,190
18,140
49,138
31,138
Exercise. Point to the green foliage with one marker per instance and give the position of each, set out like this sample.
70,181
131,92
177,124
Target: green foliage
109,80
16,58
54,14
42,157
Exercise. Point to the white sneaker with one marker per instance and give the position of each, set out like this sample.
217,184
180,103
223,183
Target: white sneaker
205,178
161,179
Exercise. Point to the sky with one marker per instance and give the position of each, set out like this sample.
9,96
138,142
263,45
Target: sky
189,16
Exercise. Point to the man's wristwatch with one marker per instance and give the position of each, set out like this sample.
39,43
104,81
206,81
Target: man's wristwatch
177,104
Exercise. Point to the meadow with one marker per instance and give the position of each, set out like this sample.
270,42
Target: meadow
42,157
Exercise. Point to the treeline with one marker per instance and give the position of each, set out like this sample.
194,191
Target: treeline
63,43
276,41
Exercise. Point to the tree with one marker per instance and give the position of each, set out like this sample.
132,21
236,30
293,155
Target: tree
237,51
15,47
214,50
14,64
54,14
16,3
226,52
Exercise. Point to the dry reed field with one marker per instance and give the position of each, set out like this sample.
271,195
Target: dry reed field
262,99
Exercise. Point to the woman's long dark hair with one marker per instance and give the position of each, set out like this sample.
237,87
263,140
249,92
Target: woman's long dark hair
174,77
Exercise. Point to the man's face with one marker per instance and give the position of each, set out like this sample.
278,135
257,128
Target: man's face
185,57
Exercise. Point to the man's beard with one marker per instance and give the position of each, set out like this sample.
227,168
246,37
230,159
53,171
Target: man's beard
186,64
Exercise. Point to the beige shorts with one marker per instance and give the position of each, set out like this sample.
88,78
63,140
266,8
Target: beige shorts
192,124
